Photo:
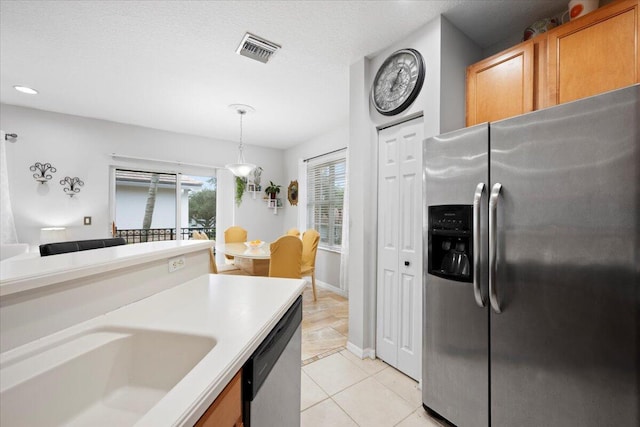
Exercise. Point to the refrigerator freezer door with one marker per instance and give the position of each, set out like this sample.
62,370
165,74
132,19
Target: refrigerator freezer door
565,351
455,382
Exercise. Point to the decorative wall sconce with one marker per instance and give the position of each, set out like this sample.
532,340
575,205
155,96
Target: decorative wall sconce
73,184
42,169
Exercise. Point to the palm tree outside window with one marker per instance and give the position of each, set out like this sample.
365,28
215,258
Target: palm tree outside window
151,206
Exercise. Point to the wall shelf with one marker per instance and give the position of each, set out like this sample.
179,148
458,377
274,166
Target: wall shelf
253,189
274,204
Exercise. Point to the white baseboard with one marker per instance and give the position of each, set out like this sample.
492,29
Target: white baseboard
362,354
329,287
370,353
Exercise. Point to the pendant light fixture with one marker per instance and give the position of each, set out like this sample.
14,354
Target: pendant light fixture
241,168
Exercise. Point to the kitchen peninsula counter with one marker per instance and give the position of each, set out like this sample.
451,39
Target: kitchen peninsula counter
235,312
42,295
25,273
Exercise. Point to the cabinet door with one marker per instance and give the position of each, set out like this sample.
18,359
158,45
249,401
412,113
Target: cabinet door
502,85
226,410
595,53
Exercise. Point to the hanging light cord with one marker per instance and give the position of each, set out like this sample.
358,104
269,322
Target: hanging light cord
241,168
242,113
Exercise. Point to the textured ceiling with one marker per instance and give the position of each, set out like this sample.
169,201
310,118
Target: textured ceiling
172,65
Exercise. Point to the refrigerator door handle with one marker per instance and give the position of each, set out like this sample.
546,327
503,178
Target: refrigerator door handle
477,204
493,246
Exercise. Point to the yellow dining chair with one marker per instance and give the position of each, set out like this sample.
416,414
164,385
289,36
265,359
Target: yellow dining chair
225,269
234,234
213,267
293,232
286,258
200,235
310,240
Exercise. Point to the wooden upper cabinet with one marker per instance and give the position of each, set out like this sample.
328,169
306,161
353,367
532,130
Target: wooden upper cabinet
502,85
595,53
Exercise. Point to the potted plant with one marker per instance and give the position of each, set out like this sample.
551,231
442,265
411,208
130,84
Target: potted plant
272,190
257,172
241,186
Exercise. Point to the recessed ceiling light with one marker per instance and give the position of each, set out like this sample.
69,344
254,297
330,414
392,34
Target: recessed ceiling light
25,89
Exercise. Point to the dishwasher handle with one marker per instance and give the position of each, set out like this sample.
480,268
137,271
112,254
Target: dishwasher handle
257,368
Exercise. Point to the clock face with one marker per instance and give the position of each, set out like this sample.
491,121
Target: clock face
398,82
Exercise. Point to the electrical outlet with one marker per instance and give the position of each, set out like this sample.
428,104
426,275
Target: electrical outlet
176,263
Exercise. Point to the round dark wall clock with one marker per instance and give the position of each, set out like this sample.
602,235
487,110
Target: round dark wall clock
398,82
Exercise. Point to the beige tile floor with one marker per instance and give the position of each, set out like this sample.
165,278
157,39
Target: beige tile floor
325,324
340,389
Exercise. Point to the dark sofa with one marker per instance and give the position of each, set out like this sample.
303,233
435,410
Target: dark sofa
79,245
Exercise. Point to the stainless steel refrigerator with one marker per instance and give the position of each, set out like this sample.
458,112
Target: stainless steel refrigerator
532,287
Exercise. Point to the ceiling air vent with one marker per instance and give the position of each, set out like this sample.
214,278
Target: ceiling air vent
257,48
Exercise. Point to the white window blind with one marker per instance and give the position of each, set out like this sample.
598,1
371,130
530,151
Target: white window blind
326,182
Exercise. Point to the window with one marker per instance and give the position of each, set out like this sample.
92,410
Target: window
148,205
326,181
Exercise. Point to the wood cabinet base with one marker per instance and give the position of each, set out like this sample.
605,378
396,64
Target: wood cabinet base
226,410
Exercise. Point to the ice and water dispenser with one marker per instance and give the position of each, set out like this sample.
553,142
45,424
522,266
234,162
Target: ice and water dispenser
450,253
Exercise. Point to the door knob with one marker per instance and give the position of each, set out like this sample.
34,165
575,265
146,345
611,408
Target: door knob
407,263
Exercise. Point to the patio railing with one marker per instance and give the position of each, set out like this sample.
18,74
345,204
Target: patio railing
139,235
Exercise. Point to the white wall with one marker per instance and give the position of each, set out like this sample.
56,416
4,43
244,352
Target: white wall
131,202
327,262
361,230
457,53
253,214
447,53
82,147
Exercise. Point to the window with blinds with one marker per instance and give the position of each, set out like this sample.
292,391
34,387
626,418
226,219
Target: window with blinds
326,181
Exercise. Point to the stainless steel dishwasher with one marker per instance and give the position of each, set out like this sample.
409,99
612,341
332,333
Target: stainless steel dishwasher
271,376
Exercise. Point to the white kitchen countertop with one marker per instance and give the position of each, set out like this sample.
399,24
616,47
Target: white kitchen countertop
238,312
19,274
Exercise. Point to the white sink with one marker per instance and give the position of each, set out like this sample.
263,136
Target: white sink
104,377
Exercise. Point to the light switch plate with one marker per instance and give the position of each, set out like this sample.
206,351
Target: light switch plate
176,263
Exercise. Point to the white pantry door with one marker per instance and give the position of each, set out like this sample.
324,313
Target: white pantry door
399,281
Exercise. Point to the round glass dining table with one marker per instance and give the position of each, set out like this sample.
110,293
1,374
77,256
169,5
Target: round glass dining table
254,261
